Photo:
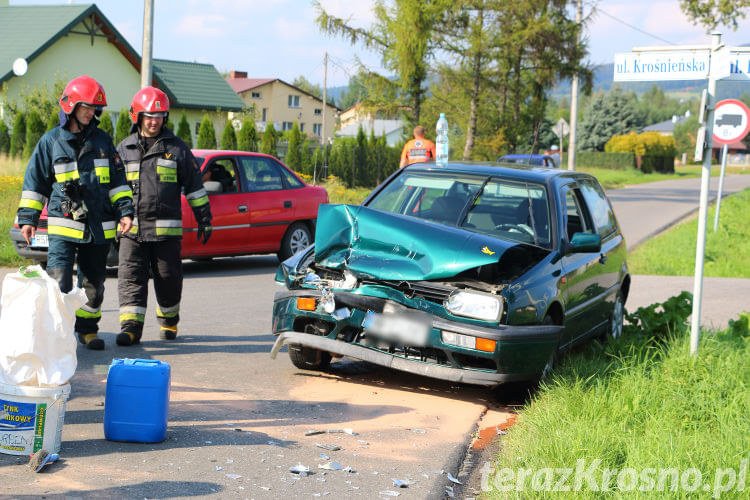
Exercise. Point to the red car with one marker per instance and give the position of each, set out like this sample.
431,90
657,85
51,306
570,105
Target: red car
259,206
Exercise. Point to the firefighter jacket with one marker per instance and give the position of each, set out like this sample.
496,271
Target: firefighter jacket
87,161
417,151
157,178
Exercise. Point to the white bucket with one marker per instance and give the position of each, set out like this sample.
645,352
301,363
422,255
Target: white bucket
31,418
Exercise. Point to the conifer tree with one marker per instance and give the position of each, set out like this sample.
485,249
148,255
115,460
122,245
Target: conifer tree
206,134
35,129
18,138
105,123
123,126
228,137
247,138
269,140
183,131
4,138
53,120
293,158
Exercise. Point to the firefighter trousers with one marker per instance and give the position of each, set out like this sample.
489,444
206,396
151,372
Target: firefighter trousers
91,261
160,259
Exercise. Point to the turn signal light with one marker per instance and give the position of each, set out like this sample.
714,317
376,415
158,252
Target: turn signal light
306,303
485,345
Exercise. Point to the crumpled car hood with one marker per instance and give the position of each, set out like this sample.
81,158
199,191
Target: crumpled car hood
380,245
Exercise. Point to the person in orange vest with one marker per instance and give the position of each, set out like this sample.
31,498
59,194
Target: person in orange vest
417,150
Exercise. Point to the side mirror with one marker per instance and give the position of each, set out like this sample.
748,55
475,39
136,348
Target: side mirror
585,243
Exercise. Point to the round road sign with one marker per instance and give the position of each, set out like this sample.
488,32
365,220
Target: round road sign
731,121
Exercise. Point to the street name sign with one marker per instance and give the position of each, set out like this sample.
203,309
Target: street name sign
672,65
731,121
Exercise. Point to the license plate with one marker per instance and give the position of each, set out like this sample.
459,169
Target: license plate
40,240
405,328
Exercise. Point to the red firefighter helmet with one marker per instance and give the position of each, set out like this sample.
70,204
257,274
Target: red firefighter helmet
83,89
149,100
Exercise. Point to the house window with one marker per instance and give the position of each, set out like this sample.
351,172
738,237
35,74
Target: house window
318,111
301,127
255,95
317,128
286,126
265,110
294,101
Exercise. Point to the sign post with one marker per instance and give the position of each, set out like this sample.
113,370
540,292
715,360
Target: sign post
731,124
689,63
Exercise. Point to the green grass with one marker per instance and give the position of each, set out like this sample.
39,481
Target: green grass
11,172
727,250
614,179
636,403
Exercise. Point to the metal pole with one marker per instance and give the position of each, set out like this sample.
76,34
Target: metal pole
148,35
700,249
721,185
574,99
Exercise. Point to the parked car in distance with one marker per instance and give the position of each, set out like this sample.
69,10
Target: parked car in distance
470,273
537,160
258,204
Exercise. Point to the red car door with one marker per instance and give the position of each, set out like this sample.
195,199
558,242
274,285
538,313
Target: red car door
270,203
230,210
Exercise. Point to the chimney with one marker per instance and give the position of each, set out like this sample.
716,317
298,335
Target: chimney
237,74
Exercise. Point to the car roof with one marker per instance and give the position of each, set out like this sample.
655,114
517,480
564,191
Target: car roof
211,152
533,173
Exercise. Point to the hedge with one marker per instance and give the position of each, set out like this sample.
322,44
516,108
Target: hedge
598,159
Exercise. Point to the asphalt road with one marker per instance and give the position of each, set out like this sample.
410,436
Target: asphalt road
238,419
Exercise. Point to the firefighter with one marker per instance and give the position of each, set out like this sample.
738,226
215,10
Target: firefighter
417,150
76,171
158,165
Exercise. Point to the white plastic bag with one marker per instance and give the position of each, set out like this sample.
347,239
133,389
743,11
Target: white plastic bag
37,338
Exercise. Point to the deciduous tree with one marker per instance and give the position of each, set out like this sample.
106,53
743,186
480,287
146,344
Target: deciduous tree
712,13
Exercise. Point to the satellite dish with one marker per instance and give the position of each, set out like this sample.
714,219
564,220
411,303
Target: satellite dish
20,66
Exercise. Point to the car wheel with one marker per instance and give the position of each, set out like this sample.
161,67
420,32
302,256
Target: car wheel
296,239
307,358
614,330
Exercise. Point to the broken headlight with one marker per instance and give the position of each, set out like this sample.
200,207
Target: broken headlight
475,305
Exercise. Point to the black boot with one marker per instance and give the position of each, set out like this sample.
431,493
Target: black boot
91,341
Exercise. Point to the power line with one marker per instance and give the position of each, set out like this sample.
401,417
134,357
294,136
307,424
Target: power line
597,9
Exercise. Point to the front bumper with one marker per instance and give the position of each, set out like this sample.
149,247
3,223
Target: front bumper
520,354
37,254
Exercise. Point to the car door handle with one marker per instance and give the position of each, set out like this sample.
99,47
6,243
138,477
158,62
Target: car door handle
242,209
287,204
602,259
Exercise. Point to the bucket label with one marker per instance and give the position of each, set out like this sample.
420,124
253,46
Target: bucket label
41,412
18,425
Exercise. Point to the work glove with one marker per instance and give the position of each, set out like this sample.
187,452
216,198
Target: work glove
204,231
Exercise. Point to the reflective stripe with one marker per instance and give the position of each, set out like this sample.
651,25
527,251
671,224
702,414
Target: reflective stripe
65,227
108,226
32,199
197,198
169,227
163,162
102,173
167,312
101,162
66,171
132,170
132,313
120,192
88,312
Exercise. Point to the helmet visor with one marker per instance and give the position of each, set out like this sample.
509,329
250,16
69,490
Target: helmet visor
154,115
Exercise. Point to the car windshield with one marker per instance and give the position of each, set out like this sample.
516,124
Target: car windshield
503,208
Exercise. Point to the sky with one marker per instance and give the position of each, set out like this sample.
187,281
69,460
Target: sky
279,38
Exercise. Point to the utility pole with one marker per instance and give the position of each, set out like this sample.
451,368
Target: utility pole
325,112
574,98
148,35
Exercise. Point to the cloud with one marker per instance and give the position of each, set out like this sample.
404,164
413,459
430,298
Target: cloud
205,25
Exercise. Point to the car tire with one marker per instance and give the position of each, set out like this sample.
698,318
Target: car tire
307,358
614,328
296,239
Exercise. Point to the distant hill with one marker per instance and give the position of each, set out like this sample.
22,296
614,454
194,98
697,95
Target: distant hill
604,74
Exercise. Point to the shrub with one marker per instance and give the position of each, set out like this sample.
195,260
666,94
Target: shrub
269,140
206,134
653,151
612,161
122,130
228,137
105,123
293,158
53,120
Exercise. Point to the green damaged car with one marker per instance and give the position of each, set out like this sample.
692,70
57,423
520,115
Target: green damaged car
473,273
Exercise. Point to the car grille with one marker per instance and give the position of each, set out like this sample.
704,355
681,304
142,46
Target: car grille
434,292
